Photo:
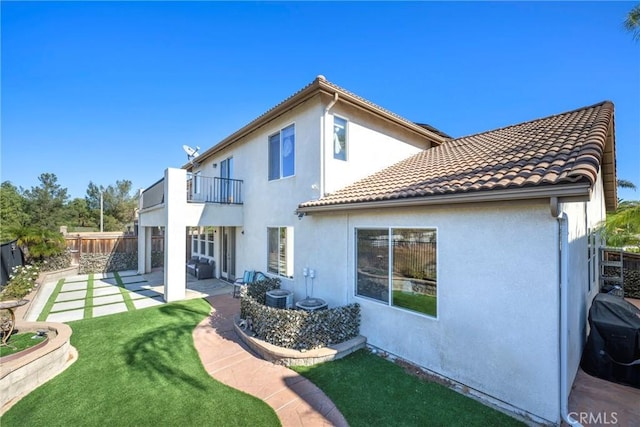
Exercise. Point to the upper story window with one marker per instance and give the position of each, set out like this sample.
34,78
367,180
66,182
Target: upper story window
282,150
339,138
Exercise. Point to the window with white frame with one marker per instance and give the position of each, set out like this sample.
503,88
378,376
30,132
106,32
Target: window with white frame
282,151
398,266
280,251
202,239
339,138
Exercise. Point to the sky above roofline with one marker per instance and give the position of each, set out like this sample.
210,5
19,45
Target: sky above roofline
104,91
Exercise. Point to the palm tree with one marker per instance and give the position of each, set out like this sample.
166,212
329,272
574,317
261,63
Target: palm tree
622,228
632,23
39,243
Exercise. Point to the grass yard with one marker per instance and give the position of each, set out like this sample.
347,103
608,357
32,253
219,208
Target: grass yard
416,302
372,391
139,368
19,342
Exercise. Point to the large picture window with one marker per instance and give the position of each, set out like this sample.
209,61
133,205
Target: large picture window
398,266
282,151
280,251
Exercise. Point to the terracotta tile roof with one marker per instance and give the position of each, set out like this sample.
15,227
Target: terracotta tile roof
561,149
434,130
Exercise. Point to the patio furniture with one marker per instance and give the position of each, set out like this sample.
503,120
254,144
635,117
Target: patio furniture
249,277
246,278
202,268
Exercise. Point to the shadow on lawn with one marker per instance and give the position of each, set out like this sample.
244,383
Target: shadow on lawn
163,352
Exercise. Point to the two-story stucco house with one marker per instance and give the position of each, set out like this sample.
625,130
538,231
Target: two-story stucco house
471,257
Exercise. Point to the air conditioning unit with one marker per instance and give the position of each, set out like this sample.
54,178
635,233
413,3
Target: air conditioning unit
279,298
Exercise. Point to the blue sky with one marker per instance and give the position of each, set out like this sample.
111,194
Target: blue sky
105,91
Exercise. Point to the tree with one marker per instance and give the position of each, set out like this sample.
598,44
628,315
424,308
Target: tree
622,228
623,183
12,211
45,203
632,22
38,243
118,205
78,215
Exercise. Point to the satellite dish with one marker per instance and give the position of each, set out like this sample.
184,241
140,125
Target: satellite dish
191,153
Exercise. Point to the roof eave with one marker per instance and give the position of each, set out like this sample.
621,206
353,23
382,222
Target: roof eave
579,191
319,85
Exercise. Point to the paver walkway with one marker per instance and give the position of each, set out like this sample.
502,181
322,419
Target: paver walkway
296,400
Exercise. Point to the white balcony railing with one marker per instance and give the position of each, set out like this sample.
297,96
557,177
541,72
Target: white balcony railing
204,189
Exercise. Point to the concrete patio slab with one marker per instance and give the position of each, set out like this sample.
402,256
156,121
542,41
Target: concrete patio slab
147,302
104,310
78,278
133,279
66,316
75,286
105,282
135,287
68,296
68,305
108,299
125,273
150,293
107,290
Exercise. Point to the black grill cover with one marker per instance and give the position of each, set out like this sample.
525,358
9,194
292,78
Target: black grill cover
613,347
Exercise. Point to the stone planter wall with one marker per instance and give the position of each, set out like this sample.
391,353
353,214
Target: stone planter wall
298,329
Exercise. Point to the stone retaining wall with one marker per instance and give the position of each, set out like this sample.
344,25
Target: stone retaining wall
20,376
104,263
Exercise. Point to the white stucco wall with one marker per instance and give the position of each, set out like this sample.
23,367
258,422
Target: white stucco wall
273,203
497,323
372,145
582,217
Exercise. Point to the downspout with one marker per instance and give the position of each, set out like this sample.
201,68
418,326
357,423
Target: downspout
323,142
563,257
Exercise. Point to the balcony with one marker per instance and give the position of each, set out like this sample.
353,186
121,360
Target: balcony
200,189
204,189
191,200
153,195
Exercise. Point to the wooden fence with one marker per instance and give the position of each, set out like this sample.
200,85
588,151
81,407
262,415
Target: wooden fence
108,244
631,260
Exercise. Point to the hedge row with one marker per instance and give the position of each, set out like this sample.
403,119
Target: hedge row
297,329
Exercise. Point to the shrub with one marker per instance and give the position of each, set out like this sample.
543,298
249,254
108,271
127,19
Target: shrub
21,282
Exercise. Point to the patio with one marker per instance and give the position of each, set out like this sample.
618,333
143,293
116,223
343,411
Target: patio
594,401
78,297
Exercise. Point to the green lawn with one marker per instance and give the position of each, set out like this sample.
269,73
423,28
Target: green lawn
138,368
372,391
416,302
19,342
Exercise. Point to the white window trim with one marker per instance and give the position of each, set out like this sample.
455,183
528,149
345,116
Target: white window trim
295,143
346,138
288,252
389,304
